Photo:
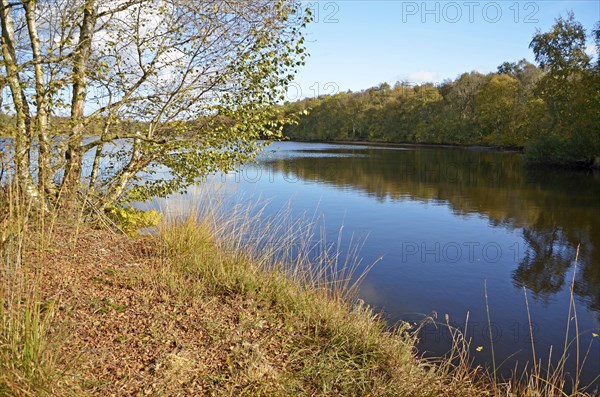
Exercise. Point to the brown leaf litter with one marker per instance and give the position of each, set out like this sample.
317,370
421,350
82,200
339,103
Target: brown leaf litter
123,337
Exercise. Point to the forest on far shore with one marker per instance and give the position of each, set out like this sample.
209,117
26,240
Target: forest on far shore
551,109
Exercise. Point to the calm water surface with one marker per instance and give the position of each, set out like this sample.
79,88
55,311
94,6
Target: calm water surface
447,222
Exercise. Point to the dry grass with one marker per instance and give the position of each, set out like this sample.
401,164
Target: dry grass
28,353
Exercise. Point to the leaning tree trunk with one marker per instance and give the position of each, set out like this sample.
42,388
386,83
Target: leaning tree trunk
137,161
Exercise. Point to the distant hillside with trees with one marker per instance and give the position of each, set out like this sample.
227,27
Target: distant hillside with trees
551,109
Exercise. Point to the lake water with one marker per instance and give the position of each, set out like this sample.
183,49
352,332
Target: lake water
446,223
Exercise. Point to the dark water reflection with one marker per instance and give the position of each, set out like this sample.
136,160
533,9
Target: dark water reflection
446,221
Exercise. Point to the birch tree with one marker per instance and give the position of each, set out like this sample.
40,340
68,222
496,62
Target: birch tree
106,95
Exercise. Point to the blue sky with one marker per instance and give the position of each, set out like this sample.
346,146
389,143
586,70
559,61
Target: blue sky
356,44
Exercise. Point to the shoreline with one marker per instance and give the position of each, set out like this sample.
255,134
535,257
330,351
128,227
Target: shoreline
508,149
593,166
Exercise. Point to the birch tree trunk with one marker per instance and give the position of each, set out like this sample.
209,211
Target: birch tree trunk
44,170
22,139
73,154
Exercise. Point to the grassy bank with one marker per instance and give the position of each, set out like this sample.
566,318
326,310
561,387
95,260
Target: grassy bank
189,311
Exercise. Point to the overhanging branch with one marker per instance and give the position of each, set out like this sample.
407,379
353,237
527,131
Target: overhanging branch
114,137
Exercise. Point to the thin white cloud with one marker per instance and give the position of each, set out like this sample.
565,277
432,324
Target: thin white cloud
590,49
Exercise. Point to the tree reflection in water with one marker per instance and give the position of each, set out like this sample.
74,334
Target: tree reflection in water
557,210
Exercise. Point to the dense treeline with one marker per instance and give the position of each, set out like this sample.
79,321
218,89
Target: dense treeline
553,109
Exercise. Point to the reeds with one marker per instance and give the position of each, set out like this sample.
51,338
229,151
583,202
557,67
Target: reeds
535,379
295,245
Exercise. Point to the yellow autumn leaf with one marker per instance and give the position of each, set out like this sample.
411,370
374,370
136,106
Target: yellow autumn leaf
479,348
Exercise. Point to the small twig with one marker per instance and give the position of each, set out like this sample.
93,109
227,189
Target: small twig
103,218
572,299
487,308
535,368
